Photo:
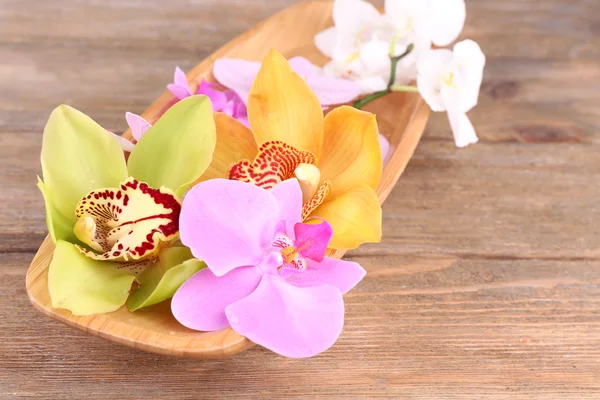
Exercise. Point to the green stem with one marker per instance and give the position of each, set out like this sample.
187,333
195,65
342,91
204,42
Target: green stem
394,60
404,88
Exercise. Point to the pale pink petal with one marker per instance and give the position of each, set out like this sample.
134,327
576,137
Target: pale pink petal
200,302
289,199
237,75
291,321
228,223
303,67
244,120
180,88
344,275
218,98
384,144
126,145
332,91
179,78
312,239
137,124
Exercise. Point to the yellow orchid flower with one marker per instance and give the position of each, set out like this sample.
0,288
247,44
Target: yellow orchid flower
336,158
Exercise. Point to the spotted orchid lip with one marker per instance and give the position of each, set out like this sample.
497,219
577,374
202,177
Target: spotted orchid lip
127,224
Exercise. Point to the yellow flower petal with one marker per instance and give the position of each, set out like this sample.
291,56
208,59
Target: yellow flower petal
355,217
282,107
234,142
351,152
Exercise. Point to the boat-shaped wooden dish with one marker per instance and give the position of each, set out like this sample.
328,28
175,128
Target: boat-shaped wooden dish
401,117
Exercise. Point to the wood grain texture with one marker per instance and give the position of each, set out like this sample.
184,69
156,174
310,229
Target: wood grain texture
487,282
404,116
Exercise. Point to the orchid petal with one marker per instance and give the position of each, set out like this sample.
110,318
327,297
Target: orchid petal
384,144
237,75
303,67
350,16
85,286
371,84
228,224
289,198
291,321
326,40
351,151
430,66
60,227
332,91
180,86
234,142
178,148
355,217
446,21
160,282
137,124
201,301
130,223
275,162
470,61
78,156
344,275
282,107
126,145
462,129
218,98
312,240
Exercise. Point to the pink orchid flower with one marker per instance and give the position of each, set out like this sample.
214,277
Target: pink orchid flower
239,75
267,276
226,101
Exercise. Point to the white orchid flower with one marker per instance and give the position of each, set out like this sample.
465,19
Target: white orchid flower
449,80
363,40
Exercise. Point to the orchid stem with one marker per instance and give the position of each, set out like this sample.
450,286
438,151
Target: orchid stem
394,60
404,88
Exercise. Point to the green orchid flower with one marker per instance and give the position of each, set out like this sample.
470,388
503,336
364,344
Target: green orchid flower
115,221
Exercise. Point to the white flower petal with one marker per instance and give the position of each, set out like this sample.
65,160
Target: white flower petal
371,84
470,61
375,55
350,16
326,40
462,129
446,20
430,67
126,145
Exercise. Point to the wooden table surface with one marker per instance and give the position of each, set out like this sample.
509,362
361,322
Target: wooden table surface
486,284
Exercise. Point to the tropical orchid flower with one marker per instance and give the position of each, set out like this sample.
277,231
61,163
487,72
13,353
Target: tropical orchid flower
267,276
226,101
363,40
238,75
450,81
110,219
336,159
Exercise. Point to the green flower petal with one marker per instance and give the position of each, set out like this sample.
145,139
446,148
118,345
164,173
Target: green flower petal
85,286
60,226
78,156
176,151
159,283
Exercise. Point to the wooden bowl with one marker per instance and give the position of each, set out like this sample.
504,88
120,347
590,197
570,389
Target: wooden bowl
401,117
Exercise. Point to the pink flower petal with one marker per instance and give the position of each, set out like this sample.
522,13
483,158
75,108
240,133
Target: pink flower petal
332,91
237,75
218,98
344,275
137,124
180,79
289,198
228,224
291,321
126,145
384,144
312,239
303,67
200,302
